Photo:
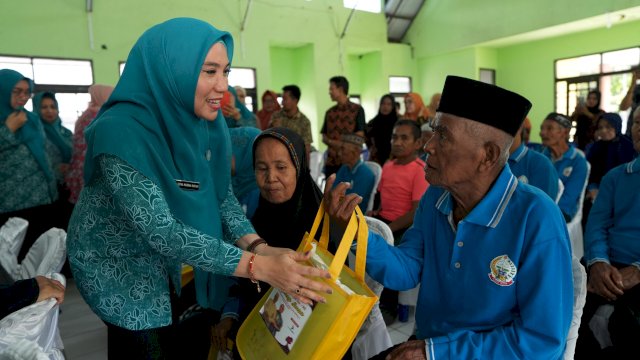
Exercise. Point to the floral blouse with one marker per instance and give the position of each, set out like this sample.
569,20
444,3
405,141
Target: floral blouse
23,184
74,177
125,245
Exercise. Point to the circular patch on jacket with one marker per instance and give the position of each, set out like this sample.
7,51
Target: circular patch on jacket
523,179
567,171
503,270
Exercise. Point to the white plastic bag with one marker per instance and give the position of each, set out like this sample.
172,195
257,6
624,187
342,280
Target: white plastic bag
38,323
47,255
12,235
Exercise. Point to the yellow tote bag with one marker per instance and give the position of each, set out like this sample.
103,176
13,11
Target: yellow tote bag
330,328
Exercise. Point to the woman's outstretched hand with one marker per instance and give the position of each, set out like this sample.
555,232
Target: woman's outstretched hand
285,272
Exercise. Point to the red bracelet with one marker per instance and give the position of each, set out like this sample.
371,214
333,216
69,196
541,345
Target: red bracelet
252,276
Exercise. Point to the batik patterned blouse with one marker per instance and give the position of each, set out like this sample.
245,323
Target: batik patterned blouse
55,155
23,184
124,245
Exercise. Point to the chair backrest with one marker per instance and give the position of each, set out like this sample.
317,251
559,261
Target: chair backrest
575,225
315,164
579,299
377,171
378,227
560,190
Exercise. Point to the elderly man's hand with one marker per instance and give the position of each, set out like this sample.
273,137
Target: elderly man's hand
411,350
630,277
337,203
605,280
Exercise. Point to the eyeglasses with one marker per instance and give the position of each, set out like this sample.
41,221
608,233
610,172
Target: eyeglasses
21,93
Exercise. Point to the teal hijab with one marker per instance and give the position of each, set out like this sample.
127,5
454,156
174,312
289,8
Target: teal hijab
31,133
247,118
54,130
150,123
244,180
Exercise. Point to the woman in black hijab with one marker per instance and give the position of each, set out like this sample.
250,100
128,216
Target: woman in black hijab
585,116
280,218
289,201
379,130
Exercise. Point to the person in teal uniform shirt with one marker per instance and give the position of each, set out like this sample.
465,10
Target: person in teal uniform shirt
27,181
612,254
531,167
492,254
242,177
58,138
354,170
158,194
569,162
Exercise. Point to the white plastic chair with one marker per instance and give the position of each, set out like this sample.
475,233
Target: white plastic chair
373,336
315,161
37,323
377,171
575,225
579,299
560,190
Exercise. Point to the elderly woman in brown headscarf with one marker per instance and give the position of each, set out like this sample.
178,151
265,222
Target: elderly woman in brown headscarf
415,109
269,106
73,179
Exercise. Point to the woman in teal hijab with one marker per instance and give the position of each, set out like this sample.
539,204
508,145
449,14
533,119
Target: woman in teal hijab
238,115
158,193
58,138
242,175
27,184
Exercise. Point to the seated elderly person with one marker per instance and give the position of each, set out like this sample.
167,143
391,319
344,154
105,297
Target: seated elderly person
353,169
531,167
492,254
568,161
288,202
612,253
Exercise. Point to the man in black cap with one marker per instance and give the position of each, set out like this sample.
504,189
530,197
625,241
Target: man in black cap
492,255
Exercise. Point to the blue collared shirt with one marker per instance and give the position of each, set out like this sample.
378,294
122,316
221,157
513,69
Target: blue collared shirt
533,168
613,229
361,179
499,286
572,170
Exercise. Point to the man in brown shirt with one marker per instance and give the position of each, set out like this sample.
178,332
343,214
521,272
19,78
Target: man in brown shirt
291,117
343,118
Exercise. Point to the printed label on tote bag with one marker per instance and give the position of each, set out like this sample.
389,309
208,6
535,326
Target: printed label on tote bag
285,317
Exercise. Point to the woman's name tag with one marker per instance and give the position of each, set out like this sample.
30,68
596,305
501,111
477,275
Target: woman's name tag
188,185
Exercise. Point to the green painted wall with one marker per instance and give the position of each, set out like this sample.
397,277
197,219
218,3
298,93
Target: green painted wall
529,68
312,29
443,26
434,69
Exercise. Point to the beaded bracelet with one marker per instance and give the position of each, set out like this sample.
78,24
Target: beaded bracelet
251,248
252,276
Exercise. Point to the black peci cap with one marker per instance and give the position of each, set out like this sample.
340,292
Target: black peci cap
484,103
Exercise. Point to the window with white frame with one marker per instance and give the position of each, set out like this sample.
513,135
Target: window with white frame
374,6
69,79
245,77
399,86
610,72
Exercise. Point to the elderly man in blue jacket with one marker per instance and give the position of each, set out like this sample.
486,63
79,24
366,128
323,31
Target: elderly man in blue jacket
492,254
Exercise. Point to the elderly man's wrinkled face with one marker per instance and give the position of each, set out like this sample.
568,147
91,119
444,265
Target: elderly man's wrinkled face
276,174
453,157
552,133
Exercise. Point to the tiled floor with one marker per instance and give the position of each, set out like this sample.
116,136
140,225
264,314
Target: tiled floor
85,336
400,331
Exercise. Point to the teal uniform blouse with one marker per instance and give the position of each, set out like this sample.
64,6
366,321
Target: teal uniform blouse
124,242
